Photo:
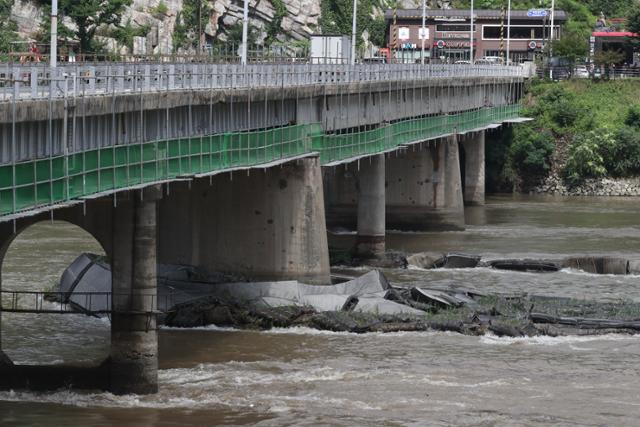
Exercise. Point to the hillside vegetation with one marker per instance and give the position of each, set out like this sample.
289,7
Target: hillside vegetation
581,129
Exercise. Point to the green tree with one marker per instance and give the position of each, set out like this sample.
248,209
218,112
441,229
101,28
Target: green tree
608,58
8,27
633,25
530,152
190,21
87,16
610,8
586,158
573,46
336,18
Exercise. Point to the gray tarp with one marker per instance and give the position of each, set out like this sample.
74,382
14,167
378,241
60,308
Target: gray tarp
95,280
369,290
73,273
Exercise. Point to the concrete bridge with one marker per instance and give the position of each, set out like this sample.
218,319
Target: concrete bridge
237,169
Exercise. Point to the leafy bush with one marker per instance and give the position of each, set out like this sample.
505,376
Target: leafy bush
623,158
125,34
633,116
161,10
530,151
585,155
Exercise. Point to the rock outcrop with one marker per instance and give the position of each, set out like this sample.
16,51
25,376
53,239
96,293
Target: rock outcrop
160,16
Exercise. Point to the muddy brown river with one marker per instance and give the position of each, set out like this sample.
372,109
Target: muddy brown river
212,376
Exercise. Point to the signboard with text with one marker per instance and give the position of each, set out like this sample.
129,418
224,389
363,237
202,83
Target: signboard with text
537,13
404,33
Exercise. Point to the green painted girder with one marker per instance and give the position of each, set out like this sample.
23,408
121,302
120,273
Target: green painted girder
43,182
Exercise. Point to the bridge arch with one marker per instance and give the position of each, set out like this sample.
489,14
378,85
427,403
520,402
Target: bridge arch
55,244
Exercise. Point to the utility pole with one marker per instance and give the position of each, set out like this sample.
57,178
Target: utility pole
199,27
423,30
353,32
245,25
471,36
508,31
53,48
553,3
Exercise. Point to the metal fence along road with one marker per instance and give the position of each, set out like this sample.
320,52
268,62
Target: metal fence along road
19,82
54,180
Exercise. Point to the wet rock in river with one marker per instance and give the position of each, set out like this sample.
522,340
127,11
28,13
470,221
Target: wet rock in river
599,265
426,260
454,260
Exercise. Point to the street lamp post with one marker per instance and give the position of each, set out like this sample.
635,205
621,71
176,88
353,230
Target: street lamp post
471,36
423,31
353,32
245,31
53,49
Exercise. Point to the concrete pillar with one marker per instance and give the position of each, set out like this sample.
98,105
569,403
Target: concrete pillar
474,175
341,196
5,362
423,189
262,224
453,185
371,207
134,337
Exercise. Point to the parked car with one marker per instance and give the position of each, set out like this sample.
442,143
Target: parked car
493,59
581,72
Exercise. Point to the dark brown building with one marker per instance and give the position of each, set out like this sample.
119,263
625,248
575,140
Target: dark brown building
448,34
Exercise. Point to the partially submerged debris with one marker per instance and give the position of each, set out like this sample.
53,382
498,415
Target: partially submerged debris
530,265
454,260
365,304
599,264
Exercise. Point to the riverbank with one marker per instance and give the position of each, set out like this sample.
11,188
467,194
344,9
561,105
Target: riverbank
584,139
603,187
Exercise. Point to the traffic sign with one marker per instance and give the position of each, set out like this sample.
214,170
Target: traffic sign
537,13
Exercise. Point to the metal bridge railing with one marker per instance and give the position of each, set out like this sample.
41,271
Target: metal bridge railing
75,80
93,303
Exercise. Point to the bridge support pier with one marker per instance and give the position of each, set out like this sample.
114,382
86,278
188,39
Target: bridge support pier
370,241
134,337
474,176
424,190
260,224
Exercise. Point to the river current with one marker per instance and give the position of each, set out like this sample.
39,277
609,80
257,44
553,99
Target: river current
212,376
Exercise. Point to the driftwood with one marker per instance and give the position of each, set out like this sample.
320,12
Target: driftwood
586,323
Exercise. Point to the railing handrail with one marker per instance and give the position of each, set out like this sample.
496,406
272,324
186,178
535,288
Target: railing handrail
89,302
25,82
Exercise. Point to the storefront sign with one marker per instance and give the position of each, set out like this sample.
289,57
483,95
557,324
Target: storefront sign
441,44
532,45
449,18
537,13
408,46
448,35
424,33
404,33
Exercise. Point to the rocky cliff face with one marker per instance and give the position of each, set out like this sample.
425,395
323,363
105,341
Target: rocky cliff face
300,20
160,16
